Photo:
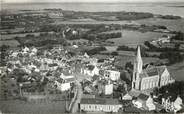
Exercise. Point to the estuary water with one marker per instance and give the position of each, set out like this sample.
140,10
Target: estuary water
155,8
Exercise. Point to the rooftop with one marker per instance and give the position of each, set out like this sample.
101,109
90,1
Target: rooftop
99,101
143,97
153,71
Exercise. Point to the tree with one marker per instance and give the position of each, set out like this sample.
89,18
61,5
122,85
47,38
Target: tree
115,53
178,36
4,55
96,50
74,43
156,91
129,66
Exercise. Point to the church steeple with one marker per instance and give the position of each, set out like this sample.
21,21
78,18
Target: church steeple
139,61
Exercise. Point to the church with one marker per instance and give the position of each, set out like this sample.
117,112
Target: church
150,77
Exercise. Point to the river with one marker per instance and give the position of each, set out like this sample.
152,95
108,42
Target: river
155,8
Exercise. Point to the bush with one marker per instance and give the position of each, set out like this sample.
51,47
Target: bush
173,57
178,36
96,50
114,53
125,48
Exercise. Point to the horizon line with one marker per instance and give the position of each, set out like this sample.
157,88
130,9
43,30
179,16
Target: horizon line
100,2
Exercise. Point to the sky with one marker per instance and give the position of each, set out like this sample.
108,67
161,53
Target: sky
19,1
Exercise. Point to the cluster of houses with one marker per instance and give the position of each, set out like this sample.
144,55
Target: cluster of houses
164,41
99,79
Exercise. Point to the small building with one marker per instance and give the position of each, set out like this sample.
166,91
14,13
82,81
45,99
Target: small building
99,105
172,104
126,97
91,70
108,89
64,84
56,14
25,50
112,74
145,102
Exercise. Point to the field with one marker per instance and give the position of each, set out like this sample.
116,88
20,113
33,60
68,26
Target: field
11,36
12,43
176,25
177,71
18,107
134,38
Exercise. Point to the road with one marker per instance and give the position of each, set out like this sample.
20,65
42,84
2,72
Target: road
77,98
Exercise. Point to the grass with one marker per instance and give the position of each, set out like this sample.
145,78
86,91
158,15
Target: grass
177,71
18,107
12,43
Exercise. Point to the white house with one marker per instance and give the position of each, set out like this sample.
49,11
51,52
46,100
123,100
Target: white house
91,70
171,104
25,50
126,97
112,74
149,103
33,51
99,105
145,102
108,89
66,77
64,85
75,46
86,55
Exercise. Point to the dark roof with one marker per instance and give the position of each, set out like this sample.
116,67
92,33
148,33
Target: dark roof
171,96
60,80
99,101
52,65
155,70
90,67
143,97
152,72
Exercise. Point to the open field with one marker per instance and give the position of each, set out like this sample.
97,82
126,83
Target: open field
11,36
90,21
176,25
134,38
21,107
177,71
12,43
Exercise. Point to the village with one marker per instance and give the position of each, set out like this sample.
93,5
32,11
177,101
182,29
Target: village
64,61
87,84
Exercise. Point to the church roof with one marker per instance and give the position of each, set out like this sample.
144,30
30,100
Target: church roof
152,71
161,69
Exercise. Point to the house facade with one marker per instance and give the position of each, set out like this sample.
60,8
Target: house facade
90,70
64,84
145,102
172,105
99,105
110,74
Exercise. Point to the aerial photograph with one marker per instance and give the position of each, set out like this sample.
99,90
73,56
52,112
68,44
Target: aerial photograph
91,56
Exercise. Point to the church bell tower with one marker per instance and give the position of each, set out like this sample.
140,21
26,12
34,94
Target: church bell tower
138,63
